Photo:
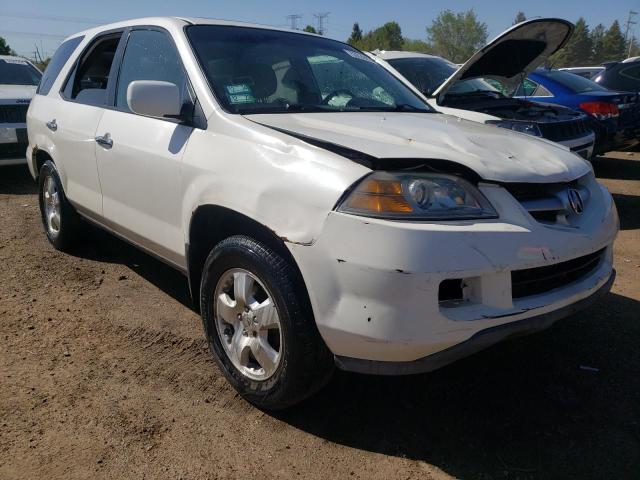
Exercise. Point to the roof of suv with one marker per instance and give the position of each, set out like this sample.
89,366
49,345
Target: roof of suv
179,22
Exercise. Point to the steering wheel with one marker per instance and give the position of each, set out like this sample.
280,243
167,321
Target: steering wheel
335,93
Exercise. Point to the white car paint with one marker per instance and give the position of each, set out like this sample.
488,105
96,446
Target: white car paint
373,283
13,95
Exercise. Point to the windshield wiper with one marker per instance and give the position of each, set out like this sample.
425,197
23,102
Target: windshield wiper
476,92
290,108
401,107
407,107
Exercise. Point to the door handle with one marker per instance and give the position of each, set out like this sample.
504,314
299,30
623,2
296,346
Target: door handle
52,125
104,140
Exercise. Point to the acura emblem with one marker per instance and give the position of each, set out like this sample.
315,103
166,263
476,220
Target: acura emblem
575,201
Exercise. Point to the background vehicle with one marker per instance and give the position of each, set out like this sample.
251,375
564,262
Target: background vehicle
261,163
480,89
622,76
18,81
586,72
615,116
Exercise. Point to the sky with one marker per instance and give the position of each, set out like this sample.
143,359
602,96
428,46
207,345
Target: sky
27,23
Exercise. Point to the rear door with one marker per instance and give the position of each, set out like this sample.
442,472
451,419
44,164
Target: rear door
72,119
140,164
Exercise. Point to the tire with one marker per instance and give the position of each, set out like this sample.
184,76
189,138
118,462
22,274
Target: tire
66,228
304,363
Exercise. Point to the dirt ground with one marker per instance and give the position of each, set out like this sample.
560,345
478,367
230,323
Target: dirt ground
104,374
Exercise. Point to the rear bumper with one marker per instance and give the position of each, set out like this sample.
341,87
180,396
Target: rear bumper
479,341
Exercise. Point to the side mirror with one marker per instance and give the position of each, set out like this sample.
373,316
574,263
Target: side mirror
154,98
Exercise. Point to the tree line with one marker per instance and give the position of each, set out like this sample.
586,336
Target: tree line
458,35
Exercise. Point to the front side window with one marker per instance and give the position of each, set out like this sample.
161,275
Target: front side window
89,82
253,70
149,55
58,61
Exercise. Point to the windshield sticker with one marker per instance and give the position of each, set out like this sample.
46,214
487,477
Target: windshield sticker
240,93
17,61
358,55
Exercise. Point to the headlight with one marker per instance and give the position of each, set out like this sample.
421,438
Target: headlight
523,127
416,196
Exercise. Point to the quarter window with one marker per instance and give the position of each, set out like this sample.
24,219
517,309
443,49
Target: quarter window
150,55
526,88
58,61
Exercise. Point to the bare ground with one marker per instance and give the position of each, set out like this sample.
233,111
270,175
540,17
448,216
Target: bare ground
104,374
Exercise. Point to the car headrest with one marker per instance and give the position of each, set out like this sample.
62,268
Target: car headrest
264,80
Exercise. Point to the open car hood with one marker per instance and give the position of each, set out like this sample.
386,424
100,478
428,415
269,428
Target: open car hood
513,54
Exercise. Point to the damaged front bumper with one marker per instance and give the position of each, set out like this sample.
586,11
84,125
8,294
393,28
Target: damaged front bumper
479,341
376,285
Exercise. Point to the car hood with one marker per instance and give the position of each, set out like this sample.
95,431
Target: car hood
16,92
493,153
514,53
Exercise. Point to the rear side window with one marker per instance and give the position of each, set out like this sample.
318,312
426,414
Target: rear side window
632,72
88,84
61,56
575,83
150,55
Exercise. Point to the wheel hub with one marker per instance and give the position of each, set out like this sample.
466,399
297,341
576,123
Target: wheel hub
248,324
52,210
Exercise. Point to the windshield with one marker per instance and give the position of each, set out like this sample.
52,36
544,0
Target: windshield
254,70
15,71
575,83
427,74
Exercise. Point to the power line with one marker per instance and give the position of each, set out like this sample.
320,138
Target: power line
322,20
293,20
34,34
54,18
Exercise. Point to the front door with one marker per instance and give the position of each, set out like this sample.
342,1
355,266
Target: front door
139,158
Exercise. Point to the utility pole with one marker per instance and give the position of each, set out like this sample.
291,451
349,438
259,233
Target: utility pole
322,20
628,29
293,21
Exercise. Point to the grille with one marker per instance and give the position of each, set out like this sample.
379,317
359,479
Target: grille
15,150
13,113
533,281
561,131
548,202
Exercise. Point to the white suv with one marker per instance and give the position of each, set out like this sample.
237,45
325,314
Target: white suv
322,212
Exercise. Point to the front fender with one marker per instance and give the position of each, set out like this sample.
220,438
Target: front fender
270,177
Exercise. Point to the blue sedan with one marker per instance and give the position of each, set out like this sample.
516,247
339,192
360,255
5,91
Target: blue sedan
615,115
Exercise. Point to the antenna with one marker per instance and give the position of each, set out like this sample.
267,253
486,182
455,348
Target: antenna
322,20
293,20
